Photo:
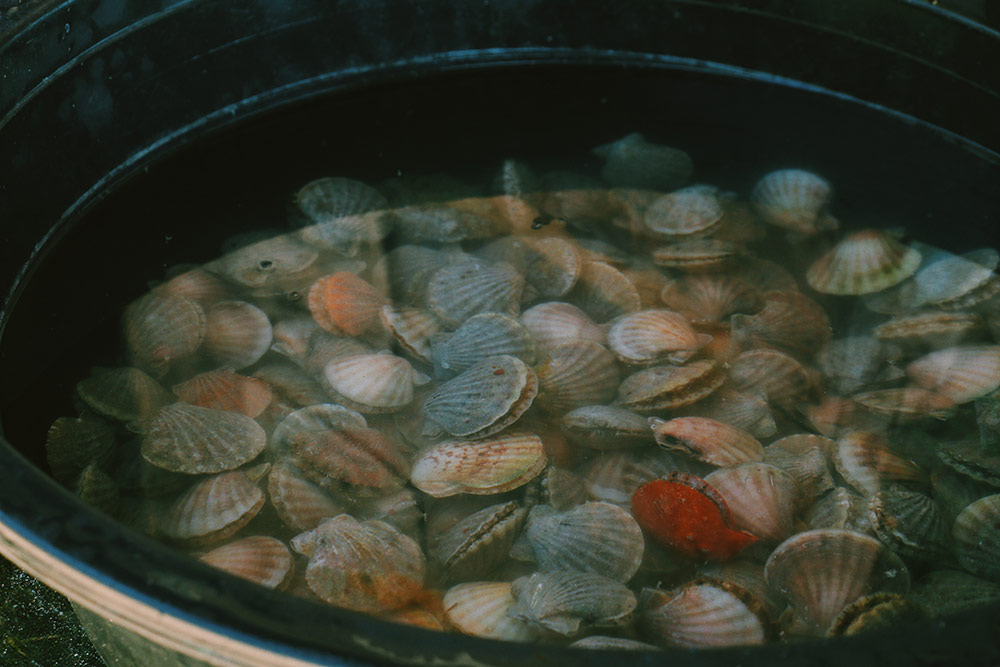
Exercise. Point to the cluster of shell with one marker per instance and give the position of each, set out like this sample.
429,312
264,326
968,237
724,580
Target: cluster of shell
441,412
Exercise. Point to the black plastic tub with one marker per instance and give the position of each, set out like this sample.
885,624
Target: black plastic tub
134,139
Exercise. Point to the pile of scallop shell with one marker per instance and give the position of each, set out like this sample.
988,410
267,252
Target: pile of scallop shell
625,412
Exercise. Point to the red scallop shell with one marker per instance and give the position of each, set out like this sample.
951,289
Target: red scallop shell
682,512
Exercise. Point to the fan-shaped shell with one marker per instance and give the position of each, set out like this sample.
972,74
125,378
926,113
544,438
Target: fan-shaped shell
865,460
345,302
934,329
161,329
977,537
705,614
604,292
691,210
362,459
909,522
556,322
710,298
667,387
877,611
412,328
237,333
788,320
225,390
550,266
194,440
649,336
405,270
563,601
606,427
961,373
441,223
260,559
343,213
366,566
126,394
777,375
494,465
593,537
745,410
213,509
456,293
195,284
841,509
696,255
477,544
372,383
707,440
863,262
821,571
73,443
851,363
954,282
794,199
634,162
263,265
301,504
316,417
804,457
479,337
480,608
903,404
484,399
576,374
761,498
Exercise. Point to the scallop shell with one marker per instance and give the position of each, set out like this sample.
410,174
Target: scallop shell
841,509
593,537
260,559
162,329
72,443
480,609
343,213
96,488
550,266
863,262
495,465
479,337
344,302
668,387
851,363
977,537
744,410
865,461
603,643
291,337
362,460
565,601
707,440
126,394
777,375
580,200
946,592
634,162
909,522
195,440
576,374
649,336
225,390
696,255
954,282
405,270
325,348
366,566
803,457
878,611
484,399
412,328
788,320
962,373
196,284
301,504
794,199
554,323
972,460
290,384
694,210
441,223
372,383
709,299
213,509
822,571
761,498
606,427
905,404
604,292
613,477
237,333
705,614
934,329
456,293
262,265
743,576
477,544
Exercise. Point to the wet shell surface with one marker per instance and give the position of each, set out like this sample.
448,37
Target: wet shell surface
194,440
556,322
962,373
707,299
691,210
477,544
480,608
366,566
260,559
779,376
125,394
263,265
456,293
696,255
576,374
564,602
162,329
760,497
373,383
484,399
707,440
863,262
865,461
340,211
412,329
226,390
909,522
301,504
479,337
977,537
606,427
703,615
604,292
490,466
650,336
73,443
361,459
789,320
237,333
344,302
665,387
213,509
795,200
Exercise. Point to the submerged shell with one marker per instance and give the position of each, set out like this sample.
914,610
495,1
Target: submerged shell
225,390
301,504
877,611
554,323
851,363
954,282
803,457
909,522
760,497
841,509
343,213
632,161
606,427
237,333
126,394
456,293
707,440
73,443
360,459
707,299
593,537
934,328
905,404
366,566
479,337
696,255
977,537
563,601
865,461
440,223
316,417
863,262
413,329
777,375
477,544
373,383
667,387
480,609
604,292
705,614
788,320
484,399
576,374
345,302
794,199
821,571
263,265
194,440
495,465
962,373
688,211
260,559
161,329
649,336
550,266
213,509
745,410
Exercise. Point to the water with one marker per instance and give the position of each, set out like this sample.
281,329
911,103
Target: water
885,174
